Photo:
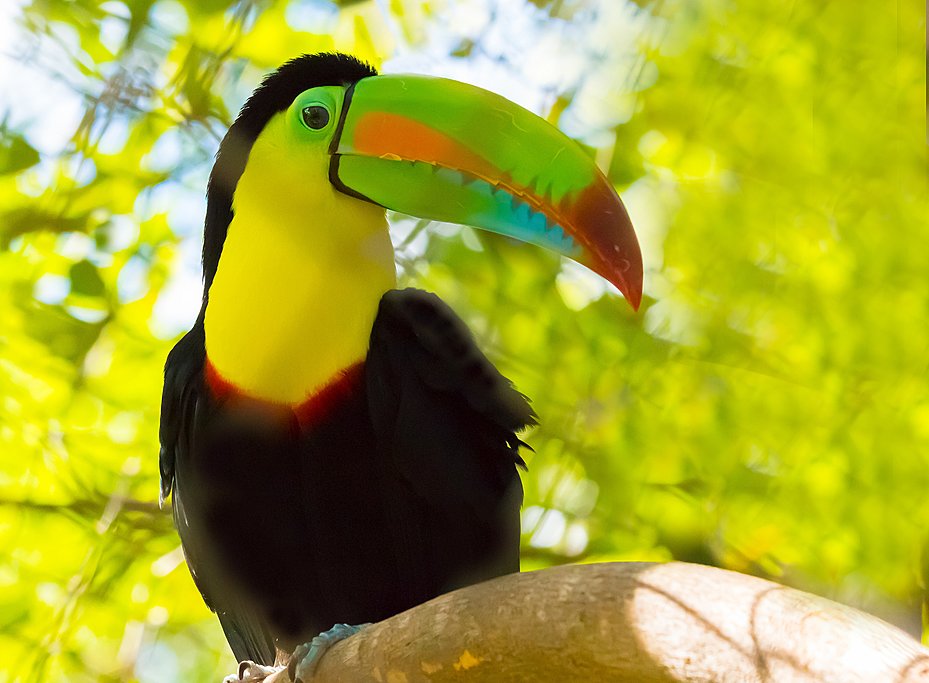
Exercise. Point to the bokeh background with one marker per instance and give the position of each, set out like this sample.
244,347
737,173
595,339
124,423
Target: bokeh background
766,411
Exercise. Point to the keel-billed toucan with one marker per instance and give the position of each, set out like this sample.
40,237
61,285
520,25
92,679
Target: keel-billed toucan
339,450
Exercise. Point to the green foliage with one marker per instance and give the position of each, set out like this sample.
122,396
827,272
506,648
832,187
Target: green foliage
766,411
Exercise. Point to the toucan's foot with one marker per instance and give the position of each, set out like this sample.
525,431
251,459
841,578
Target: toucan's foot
306,657
250,672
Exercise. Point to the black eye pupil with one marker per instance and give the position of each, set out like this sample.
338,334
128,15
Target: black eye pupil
315,117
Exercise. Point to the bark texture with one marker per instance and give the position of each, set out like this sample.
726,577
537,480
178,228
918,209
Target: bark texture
637,622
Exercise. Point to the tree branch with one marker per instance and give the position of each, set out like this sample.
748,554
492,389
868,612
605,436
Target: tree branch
627,622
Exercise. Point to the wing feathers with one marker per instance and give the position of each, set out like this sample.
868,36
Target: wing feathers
182,400
446,414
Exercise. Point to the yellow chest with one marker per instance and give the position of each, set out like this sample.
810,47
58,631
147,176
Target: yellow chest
298,284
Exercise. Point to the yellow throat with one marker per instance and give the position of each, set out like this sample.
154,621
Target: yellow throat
301,274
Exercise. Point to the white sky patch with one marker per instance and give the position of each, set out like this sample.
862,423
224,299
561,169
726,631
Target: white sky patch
157,662
184,205
82,170
122,233
113,29
470,239
549,526
183,199
45,108
648,204
578,285
87,315
674,322
178,304
313,16
576,539
166,153
187,209
132,281
170,18
553,62
51,289
505,30
469,17
75,246
114,136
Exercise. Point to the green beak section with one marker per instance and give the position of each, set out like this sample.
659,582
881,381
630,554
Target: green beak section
447,151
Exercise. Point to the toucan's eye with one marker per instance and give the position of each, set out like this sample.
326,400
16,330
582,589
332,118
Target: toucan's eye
315,117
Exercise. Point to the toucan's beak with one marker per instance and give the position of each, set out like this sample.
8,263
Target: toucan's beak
446,151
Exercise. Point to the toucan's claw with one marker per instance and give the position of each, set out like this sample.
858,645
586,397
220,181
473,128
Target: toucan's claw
251,672
306,657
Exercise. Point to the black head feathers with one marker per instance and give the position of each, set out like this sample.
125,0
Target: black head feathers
279,89
276,92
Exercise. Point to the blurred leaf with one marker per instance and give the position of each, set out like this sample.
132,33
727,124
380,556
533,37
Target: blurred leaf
35,219
15,153
63,334
85,279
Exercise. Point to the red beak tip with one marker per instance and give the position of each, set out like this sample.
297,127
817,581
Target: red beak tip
633,296
630,288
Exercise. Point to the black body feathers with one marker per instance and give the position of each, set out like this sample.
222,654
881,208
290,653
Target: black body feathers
408,490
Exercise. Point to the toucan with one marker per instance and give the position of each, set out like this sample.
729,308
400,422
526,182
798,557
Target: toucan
339,450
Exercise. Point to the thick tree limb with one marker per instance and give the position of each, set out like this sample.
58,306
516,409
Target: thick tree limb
627,622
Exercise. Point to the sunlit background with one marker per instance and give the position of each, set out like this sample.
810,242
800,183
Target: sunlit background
766,411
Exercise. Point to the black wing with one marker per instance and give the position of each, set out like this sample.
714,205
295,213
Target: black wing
183,407
448,421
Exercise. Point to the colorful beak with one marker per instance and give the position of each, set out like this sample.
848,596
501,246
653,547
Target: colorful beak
447,151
